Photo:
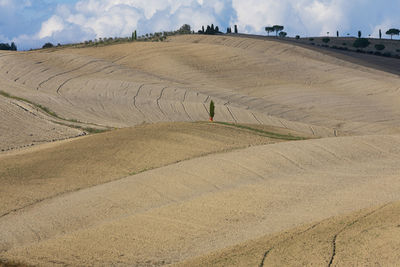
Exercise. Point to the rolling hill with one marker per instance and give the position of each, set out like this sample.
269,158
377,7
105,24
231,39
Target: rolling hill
300,167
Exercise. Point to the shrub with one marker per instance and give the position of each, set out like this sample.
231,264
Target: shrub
297,36
379,47
282,34
361,43
311,39
326,40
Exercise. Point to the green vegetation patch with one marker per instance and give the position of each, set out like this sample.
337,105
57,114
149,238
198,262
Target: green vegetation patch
53,114
43,108
264,133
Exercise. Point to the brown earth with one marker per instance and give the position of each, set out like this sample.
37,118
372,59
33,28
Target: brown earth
194,207
369,237
30,176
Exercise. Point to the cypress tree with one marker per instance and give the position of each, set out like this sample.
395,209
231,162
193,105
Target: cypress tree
212,110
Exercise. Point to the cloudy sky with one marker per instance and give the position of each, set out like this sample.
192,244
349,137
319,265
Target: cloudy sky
31,23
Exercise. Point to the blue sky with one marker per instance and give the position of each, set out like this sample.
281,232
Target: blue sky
31,23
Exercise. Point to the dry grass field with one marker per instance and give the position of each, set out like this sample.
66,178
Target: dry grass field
300,168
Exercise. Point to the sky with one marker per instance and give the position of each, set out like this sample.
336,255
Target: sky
31,23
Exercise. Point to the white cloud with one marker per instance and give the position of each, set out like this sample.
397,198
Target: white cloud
90,19
316,17
110,18
51,26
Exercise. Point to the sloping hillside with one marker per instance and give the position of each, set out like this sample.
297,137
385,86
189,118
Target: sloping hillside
187,209
251,81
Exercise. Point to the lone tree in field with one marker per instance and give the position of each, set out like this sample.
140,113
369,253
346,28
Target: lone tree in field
380,34
278,28
212,110
269,29
236,29
359,34
337,33
392,32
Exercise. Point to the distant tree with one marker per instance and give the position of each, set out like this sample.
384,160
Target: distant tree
229,30
217,29
185,29
5,46
269,29
359,34
208,31
49,45
380,34
13,47
392,32
278,28
212,110
337,33
297,37
212,28
202,29
283,34
236,29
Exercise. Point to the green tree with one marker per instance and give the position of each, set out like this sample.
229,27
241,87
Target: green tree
380,34
392,32
283,34
212,110
278,28
269,29
48,45
359,34
13,47
236,29
185,29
